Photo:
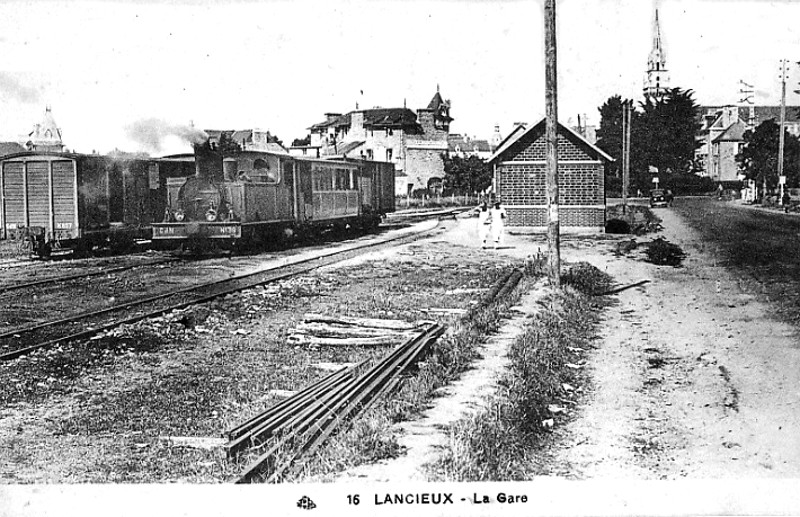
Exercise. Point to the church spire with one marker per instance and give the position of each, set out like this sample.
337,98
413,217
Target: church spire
656,79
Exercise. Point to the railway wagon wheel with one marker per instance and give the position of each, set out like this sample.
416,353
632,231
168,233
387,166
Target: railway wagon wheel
80,249
43,249
25,246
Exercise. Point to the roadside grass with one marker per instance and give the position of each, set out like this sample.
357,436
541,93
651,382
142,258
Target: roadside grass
543,382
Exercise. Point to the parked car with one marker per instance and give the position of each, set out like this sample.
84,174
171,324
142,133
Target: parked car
658,198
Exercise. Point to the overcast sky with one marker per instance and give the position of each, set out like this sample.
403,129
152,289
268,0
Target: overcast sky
280,65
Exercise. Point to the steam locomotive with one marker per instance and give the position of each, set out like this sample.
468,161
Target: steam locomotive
67,200
255,198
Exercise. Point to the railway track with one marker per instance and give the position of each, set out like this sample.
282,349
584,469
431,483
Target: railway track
79,276
18,342
298,425
302,423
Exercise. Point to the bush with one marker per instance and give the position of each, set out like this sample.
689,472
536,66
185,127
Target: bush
617,226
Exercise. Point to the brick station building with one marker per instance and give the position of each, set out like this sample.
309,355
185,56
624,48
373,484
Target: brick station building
519,177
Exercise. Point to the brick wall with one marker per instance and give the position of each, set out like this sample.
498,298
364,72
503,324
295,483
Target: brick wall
579,184
568,217
531,148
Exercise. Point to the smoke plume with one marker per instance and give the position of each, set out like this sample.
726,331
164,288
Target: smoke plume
150,133
16,90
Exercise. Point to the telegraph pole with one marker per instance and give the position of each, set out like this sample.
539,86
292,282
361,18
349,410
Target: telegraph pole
551,143
783,121
626,152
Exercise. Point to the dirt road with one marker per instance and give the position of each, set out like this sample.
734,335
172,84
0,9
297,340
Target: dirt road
692,377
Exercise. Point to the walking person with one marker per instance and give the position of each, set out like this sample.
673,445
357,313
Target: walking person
483,224
786,201
498,215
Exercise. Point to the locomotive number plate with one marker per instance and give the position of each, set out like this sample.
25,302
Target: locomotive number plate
229,230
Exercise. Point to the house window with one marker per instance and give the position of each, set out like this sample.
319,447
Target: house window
388,155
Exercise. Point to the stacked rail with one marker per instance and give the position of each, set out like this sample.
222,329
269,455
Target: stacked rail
301,423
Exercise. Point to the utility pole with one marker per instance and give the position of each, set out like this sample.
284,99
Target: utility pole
783,121
626,152
551,143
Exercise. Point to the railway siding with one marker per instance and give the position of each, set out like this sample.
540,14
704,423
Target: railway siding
198,371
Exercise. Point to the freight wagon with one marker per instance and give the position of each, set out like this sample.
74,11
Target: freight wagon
255,198
67,200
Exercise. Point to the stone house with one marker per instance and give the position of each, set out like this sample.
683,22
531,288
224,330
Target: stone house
721,135
248,139
463,146
413,142
519,178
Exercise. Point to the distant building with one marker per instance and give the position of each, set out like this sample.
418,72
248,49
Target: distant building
721,136
46,136
413,142
249,139
464,147
656,78
519,179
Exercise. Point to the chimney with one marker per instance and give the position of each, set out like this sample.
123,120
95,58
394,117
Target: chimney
330,117
208,162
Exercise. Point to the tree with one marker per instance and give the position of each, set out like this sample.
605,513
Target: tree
662,136
609,134
670,125
466,175
759,156
227,146
299,142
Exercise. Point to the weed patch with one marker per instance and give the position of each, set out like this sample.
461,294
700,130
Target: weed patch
664,253
546,366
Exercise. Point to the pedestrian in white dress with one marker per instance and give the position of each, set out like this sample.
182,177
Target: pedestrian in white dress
483,224
498,215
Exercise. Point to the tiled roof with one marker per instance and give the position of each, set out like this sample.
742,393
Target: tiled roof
734,133
540,127
375,118
341,149
457,143
436,101
389,117
241,135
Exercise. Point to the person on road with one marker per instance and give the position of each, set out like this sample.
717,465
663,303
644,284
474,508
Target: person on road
498,215
669,197
786,200
720,190
483,224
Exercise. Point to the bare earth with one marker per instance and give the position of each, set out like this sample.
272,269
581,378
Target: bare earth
691,378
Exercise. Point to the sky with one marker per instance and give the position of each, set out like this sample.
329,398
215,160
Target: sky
280,65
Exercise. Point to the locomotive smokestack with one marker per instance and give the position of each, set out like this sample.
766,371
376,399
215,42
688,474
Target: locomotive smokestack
208,162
